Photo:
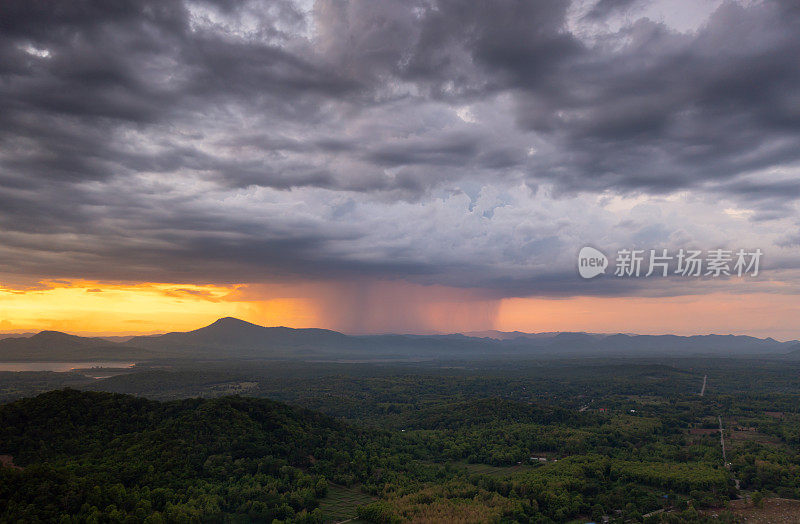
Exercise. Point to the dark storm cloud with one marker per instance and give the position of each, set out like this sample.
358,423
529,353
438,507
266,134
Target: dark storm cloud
112,68
645,108
486,46
658,112
237,140
451,150
671,111
605,8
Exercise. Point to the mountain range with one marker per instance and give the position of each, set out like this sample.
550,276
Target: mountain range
55,345
233,338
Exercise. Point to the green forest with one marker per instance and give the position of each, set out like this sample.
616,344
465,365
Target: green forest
629,441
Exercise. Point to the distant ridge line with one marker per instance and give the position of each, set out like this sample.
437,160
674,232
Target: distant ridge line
233,338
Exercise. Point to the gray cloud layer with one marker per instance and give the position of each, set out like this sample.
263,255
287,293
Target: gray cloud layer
463,143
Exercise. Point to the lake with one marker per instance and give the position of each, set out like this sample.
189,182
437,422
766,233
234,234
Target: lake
61,366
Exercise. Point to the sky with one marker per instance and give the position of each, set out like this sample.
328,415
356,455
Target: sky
396,166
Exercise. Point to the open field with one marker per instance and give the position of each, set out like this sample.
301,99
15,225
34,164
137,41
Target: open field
341,502
775,510
494,471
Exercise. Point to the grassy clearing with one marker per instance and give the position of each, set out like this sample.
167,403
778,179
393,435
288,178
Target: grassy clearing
773,510
494,471
341,502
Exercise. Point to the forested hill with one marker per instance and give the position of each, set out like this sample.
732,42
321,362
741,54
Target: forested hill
108,456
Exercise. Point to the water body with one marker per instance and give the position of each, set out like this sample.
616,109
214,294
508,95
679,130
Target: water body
61,366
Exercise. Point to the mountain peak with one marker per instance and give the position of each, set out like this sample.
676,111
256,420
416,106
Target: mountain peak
231,322
52,335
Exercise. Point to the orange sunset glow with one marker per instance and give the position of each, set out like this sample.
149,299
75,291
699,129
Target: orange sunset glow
96,308
106,309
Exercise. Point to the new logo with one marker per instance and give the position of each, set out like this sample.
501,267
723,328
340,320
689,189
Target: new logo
591,262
